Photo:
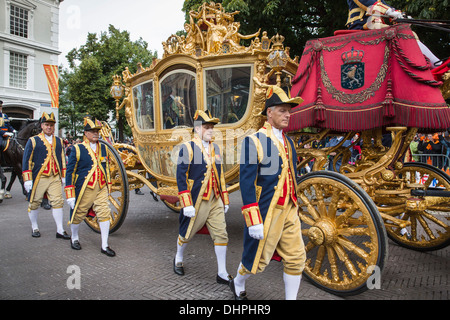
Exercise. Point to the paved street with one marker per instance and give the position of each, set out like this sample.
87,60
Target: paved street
43,268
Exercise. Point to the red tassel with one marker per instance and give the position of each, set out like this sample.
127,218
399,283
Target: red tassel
319,109
388,102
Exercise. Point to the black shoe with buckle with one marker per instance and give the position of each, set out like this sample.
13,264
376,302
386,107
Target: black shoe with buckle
109,252
36,233
178,268
221,280
63,235
242,295
75,245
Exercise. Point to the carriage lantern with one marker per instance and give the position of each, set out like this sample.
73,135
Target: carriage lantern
277,57
117,92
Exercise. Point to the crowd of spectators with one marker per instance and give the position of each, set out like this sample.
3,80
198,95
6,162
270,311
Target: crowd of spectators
433,149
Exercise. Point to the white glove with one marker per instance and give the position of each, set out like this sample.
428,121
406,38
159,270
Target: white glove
394,14
63,180
9,134
225,208
28,185
71,202
189,211
256,231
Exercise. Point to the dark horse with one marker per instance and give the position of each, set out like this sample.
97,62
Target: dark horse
12,156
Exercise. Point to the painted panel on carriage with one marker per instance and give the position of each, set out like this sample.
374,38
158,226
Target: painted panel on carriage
159,159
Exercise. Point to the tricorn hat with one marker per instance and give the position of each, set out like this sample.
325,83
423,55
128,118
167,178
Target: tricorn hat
48,117
276,96
91,124
205,117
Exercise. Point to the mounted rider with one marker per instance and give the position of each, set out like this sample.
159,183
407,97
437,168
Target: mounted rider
368,15
6,130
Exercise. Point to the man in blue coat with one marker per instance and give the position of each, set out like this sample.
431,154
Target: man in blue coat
6,130
44,171
267,180
369,14
88,184
202,193
366,14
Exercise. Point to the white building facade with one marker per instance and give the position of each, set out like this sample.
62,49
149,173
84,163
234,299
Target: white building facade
29,39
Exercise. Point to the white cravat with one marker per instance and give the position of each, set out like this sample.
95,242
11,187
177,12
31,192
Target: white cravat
206,146
93,146
49,138
279,134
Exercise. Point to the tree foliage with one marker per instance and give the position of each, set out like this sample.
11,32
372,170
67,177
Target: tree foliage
299,21
86,85
437,41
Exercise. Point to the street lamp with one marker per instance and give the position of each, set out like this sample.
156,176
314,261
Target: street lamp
277,57
117,92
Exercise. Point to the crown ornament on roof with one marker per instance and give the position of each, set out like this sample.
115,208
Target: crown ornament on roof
352,56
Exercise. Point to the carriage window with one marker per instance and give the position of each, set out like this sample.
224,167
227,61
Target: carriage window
178,99
143,105
227,92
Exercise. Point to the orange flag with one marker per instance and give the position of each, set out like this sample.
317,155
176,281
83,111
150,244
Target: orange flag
51,71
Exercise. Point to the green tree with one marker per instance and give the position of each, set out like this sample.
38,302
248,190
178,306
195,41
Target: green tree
299,21
69,118
436,40
91,68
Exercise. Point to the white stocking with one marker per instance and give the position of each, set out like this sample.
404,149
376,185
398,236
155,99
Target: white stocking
239,281
33,215
74,231
180,251
58,217
291,285
104,230
221,254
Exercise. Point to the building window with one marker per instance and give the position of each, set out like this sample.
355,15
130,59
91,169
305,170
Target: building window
18,24
18,70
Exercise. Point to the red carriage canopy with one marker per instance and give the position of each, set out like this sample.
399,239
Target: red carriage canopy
366,79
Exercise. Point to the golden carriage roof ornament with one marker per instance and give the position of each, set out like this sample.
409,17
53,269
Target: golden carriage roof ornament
210,31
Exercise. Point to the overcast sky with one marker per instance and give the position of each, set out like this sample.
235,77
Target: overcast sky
152,20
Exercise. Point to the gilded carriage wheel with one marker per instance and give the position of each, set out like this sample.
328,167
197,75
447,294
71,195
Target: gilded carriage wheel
343,233
119,196
429,227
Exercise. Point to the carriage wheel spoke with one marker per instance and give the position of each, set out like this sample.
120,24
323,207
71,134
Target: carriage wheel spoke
434,219
345,258
347,244
425,227
333,264
319,260
322,207
311,209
